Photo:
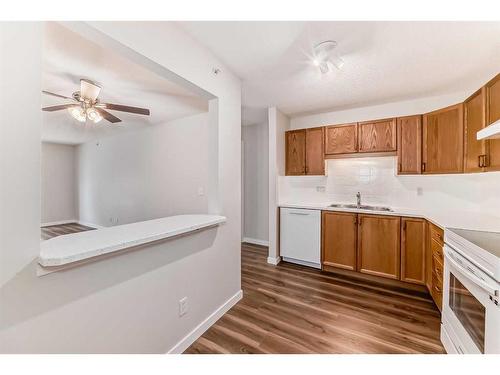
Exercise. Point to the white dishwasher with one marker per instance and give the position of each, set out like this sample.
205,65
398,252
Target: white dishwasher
300,234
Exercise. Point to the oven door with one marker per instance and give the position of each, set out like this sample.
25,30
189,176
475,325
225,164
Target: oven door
471,319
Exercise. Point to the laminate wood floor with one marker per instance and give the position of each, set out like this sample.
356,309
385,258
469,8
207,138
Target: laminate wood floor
294,309
59,230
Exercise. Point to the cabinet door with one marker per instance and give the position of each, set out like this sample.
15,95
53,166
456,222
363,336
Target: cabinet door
339,239
315,157
377,136
341,139
492,92
379,245
413,250
474,120
443,134
295,152
409,135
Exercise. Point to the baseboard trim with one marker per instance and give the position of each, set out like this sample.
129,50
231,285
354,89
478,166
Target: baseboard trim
90,224
60,222
256,241
191,337
273,261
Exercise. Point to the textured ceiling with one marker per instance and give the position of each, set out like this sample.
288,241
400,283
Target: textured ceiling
384,61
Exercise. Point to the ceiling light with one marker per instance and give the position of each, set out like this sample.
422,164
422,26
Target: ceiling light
93,115
324,57
78,113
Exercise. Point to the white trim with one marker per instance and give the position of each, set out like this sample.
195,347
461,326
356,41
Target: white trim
60,222
256,241
90,225
274,261
191,337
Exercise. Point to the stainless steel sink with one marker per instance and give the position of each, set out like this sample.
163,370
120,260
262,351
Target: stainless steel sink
361,207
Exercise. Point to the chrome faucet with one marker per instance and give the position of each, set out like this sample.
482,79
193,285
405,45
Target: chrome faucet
358,199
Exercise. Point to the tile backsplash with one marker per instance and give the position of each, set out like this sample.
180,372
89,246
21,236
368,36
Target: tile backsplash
376,179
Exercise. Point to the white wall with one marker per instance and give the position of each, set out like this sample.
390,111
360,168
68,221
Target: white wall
278,124
256,182
20,85
376,179
126,303
59,186
145,174
395,109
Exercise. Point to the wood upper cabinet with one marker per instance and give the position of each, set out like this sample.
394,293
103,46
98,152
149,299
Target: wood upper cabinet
413,247
341,139
409,136
304,152
474,120
443,134
339,231
492,94
295,152
379,245
315,156
377,136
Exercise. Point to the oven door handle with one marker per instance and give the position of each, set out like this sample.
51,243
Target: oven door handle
470,275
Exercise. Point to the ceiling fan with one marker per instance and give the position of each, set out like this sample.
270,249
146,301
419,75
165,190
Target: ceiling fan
89,107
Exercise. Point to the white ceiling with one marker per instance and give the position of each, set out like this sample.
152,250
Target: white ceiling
69,57
384,61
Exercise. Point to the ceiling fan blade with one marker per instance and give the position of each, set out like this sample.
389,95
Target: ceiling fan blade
124,108
89,90
108,116
57,95
59,107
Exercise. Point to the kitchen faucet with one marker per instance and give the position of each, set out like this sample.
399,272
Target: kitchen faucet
358,199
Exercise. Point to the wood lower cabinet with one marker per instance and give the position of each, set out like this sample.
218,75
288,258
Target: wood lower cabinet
474,121
377,136
409,135
443,134
315,157
492,97
413,247
435,281
304,152
295,144
339,237
379,245
341,139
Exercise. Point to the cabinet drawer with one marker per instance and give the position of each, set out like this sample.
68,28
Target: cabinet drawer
437,234
437,268
437,291
437,250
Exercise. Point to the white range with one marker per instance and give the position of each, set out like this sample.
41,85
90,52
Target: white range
471,293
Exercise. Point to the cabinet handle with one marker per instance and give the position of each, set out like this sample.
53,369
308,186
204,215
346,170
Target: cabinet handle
306,169
299,213
423,167
399,167
480,161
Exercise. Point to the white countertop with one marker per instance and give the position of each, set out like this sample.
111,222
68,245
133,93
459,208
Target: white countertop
75,247
442,218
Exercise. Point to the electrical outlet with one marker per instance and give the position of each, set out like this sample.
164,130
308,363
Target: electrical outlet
420,191
183,306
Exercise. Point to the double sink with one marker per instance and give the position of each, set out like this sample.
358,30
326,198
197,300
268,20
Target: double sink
361,207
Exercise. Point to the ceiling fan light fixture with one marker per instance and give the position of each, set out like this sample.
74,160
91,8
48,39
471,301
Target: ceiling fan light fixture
78,113
93,115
